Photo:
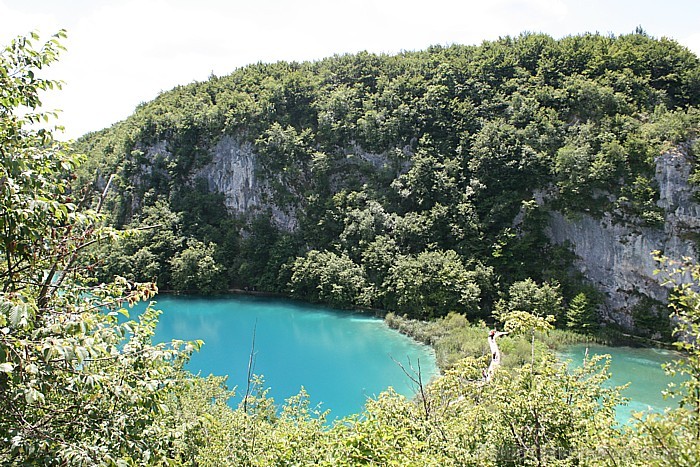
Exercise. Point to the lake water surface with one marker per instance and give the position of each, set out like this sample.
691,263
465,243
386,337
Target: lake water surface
641,367
341,358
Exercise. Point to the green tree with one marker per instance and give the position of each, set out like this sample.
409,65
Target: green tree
431,284
77,386
361,224
195,270
529,308
264,255
324,276
145,253
530,297
581,315
378,258
504,170
431,179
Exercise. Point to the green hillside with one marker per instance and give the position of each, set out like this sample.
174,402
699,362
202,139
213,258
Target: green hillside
410,180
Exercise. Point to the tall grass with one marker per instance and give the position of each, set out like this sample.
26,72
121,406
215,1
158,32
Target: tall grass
453,337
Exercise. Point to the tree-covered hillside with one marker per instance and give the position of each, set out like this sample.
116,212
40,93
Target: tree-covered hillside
417,183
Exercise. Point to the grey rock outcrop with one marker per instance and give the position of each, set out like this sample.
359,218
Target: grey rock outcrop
616,256
232,172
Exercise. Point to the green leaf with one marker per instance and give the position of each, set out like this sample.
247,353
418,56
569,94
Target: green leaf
19,315
32,396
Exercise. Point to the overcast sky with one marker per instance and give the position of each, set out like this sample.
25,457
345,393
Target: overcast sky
125,52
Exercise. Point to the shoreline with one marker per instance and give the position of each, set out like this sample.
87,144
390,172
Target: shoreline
415,329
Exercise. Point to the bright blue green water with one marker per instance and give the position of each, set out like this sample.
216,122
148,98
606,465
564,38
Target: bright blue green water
340,358
641,368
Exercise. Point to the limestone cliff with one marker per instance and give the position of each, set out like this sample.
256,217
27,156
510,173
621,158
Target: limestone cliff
232,172
616,255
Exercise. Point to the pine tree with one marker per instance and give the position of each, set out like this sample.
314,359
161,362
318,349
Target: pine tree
580,316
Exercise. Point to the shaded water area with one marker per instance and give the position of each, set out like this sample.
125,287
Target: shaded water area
341,358
640,367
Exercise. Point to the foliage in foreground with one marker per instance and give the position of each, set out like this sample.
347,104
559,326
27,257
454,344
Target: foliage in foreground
78,386
674,438
537,415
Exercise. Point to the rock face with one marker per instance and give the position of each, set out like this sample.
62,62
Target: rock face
232,172
616,256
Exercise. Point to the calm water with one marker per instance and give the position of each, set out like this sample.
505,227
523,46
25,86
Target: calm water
340,358
639,367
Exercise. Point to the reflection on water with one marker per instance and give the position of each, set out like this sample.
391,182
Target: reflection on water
340,358
641,368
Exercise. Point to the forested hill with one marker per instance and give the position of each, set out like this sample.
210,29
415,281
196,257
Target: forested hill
420,183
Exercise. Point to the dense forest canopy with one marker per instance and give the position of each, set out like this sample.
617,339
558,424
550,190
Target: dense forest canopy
428,230
417,183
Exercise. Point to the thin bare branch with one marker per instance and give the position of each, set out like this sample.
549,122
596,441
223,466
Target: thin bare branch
251,368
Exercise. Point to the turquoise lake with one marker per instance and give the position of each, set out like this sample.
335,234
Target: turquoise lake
640,367
341,358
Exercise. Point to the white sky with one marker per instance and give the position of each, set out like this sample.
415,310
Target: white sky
125,52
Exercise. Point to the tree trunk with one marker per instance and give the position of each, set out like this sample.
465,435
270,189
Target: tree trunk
495,355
